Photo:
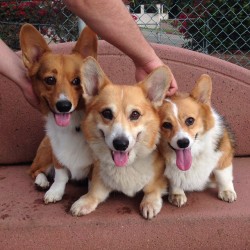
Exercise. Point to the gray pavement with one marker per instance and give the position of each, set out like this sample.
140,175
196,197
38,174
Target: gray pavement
159,36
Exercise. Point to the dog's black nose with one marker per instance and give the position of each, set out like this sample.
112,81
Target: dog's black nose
183,143
120,143
63,106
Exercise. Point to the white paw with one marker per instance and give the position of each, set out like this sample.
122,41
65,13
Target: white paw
42,181
83,206
150,209
53,195
226,195
177,199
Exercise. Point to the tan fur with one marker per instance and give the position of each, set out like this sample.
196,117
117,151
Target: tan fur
43,159
41,62
123,100
228,151
209,140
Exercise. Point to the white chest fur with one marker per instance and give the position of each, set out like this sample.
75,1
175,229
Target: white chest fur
204,161
129,179
197,177
69,145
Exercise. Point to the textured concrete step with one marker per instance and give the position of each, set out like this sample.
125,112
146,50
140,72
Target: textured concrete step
204,223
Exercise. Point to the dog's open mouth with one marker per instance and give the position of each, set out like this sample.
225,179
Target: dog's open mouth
183,158
120,158
62,119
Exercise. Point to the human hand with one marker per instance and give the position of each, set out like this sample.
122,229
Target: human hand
24,83
28,93
142,71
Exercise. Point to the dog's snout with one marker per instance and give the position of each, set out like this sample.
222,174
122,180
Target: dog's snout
63,106
121,143
183,143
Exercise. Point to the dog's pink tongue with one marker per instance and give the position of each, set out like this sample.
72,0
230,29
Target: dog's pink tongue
62,120
183,159
120,158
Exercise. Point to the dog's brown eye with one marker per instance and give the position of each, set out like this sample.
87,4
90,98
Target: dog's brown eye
134,116
51,80
76,81
189,121
107,114
167,125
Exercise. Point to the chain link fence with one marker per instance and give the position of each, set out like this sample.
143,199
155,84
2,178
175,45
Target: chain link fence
219,28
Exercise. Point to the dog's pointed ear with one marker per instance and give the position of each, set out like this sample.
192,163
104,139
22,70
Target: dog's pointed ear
203,89
156,84
86,44
93,77
33,45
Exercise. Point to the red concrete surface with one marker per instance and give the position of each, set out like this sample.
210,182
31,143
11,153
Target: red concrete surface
204,223
21,127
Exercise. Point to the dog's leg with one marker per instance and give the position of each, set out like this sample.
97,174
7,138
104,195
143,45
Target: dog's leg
56,191
42,181
177,196
43,159
224,179
151,203
41,178
97,193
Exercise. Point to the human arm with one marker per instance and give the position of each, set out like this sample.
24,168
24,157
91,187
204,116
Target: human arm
12,67
112,21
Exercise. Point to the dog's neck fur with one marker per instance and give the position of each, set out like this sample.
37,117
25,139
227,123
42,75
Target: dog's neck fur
69,145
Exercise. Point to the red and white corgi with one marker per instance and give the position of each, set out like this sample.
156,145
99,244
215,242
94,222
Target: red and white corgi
197,147
122,129
56,80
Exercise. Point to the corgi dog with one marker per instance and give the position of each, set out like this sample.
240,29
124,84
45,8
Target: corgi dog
122,128
56,80
197,146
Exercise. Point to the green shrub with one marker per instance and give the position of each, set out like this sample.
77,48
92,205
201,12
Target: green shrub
219,26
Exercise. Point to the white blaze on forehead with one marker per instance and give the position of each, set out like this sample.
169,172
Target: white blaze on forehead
174,107
181,133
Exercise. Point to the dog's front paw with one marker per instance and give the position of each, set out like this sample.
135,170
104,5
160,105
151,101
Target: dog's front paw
52,196
177,199
83,206
226,195
41,181
150,209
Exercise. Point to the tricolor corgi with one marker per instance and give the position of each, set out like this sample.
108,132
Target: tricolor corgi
197,146
122,129
56,80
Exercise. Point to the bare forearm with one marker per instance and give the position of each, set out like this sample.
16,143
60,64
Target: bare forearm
111,20
8,60
12,67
